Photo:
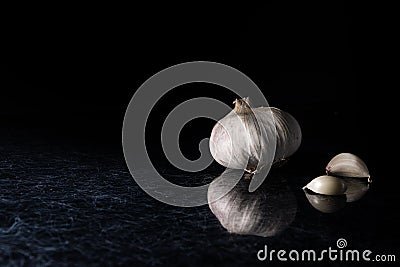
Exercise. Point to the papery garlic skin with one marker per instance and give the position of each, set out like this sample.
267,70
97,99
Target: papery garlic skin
252,138
288,133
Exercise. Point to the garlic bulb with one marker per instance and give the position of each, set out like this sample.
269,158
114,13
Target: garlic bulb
265,212
327,185
252,138
347,165
324,203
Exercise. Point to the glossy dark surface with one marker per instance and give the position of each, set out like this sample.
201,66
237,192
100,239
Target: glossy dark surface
77,205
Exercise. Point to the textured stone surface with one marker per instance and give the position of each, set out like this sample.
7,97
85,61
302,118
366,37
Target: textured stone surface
60,206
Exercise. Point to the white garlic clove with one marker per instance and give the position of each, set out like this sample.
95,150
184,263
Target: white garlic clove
326,204
327,185
356,188
347,165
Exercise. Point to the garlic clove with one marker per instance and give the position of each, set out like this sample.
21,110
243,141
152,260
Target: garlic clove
347,165
324,203
356,188
327,185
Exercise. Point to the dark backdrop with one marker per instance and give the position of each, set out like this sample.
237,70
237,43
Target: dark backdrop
69,72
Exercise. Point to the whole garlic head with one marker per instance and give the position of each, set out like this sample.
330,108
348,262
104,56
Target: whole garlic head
253,138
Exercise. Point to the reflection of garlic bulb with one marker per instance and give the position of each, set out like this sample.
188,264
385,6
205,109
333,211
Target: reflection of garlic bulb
265,212
251,138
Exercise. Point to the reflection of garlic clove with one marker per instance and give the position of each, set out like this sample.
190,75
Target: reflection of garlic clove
324,203
356,188
347,165
327,185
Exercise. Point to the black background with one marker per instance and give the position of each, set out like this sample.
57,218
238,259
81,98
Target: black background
69,72
73,59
